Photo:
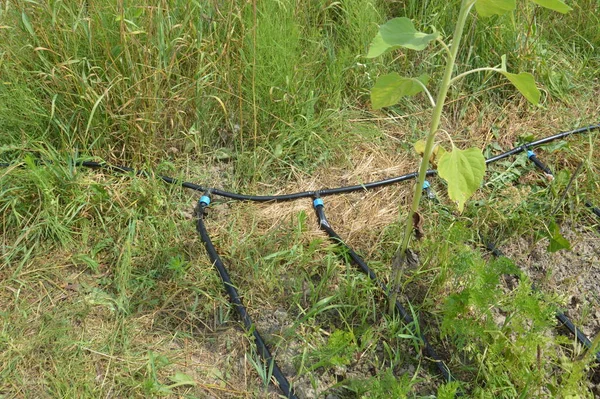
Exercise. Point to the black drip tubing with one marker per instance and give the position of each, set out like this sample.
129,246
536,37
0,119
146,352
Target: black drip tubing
235,299
595,210
564,319
408,319
540,165
328,191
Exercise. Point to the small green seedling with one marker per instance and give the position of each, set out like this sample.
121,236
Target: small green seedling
463,170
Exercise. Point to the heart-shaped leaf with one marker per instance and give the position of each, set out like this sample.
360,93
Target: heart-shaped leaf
555,5
391,87
525,83
557,240
378,47
463,170
399,32
487,8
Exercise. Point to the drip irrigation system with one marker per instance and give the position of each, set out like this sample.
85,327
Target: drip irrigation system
261,347
326,191
318,205
324,224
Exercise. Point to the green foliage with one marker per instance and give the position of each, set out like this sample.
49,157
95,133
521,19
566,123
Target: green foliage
464,171
525,83
382,386
557,241
487,8
391,87
338,351
106,289
399,33
555,5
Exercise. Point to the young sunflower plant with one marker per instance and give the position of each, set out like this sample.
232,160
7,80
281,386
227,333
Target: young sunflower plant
462,169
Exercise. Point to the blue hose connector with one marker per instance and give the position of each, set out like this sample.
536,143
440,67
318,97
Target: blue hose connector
530,154
204,200
317,202
428,191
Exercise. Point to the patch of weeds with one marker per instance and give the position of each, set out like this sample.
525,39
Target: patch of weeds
385,385
338,351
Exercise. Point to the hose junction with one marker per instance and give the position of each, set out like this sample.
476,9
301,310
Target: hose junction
319,207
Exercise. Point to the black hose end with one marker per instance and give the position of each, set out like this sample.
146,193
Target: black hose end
540,165
595,211
202,204
320,211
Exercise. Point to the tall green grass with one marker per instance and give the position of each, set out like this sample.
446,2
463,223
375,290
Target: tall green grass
129,80
265,84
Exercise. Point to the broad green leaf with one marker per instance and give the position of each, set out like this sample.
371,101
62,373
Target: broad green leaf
419,147
438,153
396,33
555,5
487,8
525,83
557,241
463,170
180,379
391,87
401,32
378,47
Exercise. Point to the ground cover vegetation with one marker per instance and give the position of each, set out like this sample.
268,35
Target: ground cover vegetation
106,290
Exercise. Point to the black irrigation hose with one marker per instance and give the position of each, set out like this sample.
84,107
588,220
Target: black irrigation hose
261,347
358,260
595,210
328,191
544,168
564,319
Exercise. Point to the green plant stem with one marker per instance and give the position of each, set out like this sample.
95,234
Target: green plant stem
465,7
462,75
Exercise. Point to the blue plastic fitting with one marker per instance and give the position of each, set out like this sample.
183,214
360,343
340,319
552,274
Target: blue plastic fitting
530,154
204,200
426,185
317,202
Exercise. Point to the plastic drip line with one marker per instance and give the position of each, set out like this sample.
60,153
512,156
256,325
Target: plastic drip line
595,210
235,299
540,142
564,319
358,260
539,164
324,192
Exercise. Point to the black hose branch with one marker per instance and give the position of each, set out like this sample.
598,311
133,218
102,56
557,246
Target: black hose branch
235,299
539,164
561,317
595,210
358,260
